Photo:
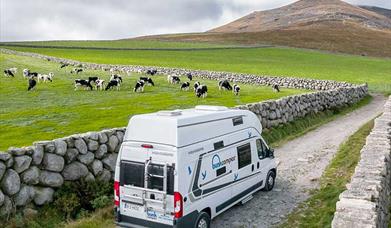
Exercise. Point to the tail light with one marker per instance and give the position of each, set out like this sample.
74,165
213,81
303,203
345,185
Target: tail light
147,146
116,193
178,205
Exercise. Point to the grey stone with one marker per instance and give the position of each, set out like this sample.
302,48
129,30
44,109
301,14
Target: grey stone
16,151
43,195
31,176
1,198
10,162
102,137
70,142
61,147
81,146
50,179
38,154
49,147
110,161
71,155
2,169
29,150
4,156
86,158
105,176
7,207
10,183
24,196
74,171
89,178
112,144
21,163
93,145
120,136
96,167
53,162
102,150
93,135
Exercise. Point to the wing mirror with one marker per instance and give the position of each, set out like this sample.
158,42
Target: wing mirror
271,153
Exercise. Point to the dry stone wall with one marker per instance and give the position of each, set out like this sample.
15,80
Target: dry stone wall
366,202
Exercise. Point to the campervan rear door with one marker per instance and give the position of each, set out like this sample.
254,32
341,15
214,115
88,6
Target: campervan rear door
143,168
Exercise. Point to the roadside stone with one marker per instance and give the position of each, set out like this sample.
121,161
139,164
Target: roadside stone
24,196
2,169
70,142
102,150
16,151
6,209
93,135
43,195
61,147
50,179
53,162
4,156
38,154
120,136
105,176
21,163
93,145
74,171
1,198
71,155
113,142
10,162
10,183
89,178
86,158
96,167
102,137
49,147
110,161
81,146
31,176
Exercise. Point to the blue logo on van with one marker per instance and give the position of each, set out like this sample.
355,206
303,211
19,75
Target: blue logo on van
217,163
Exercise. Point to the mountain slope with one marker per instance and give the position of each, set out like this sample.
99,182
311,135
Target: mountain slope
382,11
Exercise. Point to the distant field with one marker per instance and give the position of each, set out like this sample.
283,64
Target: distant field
56,110
263,61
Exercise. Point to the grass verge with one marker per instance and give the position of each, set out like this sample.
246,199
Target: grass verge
318,210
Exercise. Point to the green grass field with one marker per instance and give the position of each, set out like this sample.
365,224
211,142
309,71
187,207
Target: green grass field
263,61
55,109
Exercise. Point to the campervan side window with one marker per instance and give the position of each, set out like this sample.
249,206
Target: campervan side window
244,155
261,148
237,121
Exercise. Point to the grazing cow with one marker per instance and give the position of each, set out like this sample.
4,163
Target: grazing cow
276,88
46,77
99,84
93,79
152,72
185,86
236,89
189,76
114,83
76,70
139,87
32,84
224,84
64,65
116,77
196,84
14,70
82,83
173,79
202,91
147,80
8,72
26,73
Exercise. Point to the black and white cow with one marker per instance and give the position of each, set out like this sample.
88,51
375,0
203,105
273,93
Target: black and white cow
173,79
93,79
139,87
114,83
64,65
196,84
224,85
76,70
276,88
99,84
189,76
202,91
185,86
152,72
147,80
116,77
46,77
82,83
9,73
236,89
32,84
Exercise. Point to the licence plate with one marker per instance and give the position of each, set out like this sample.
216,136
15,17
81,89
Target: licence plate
133,207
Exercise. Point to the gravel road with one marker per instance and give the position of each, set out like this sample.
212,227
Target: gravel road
301,164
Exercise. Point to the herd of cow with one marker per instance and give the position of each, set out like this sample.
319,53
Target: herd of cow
115,81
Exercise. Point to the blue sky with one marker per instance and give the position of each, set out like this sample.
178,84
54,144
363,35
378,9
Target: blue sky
115,19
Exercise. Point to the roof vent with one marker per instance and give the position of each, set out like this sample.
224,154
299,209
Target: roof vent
210,108
169,113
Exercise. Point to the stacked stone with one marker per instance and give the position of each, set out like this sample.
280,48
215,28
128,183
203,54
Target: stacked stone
286,109
288,82
366,201
32,174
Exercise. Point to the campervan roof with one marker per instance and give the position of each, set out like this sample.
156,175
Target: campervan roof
181,128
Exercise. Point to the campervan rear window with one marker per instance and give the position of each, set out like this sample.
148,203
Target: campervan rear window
244,155
132,173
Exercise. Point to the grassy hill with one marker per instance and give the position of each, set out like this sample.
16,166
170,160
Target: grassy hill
56,110
263,61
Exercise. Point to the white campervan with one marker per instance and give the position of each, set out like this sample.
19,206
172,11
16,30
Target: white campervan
182,168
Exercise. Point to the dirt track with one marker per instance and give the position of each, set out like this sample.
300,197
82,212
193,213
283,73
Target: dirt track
301,164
